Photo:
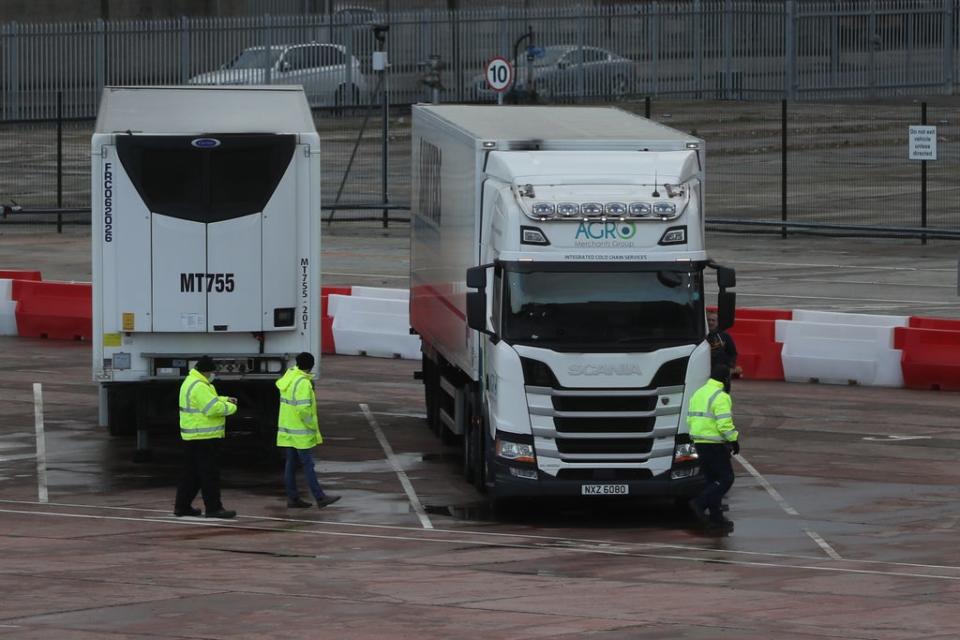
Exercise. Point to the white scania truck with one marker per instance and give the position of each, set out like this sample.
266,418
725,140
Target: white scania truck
557,283
206,241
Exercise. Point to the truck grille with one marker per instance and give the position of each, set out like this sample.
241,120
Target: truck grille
604,426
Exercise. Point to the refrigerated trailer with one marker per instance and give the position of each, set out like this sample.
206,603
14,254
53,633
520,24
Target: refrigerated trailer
205,241
557,261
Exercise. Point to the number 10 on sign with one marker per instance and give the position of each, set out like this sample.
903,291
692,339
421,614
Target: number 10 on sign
499,74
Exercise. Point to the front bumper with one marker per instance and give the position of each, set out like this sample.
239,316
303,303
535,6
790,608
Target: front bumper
509,486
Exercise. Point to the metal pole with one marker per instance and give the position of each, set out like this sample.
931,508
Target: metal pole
59,160
385,148
923,180
646,107
783,167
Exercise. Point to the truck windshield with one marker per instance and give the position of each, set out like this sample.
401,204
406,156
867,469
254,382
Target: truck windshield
609,307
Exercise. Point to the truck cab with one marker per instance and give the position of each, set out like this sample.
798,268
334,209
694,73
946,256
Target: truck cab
586,316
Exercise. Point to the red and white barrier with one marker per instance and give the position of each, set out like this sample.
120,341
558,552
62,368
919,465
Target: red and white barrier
773,344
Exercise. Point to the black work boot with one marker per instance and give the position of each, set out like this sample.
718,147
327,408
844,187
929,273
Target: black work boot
326,500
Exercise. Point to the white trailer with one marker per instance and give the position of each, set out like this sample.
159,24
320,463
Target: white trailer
205,241
568,370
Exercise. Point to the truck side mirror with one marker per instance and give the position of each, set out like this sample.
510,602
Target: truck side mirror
477,311
477,277
726,306
726,278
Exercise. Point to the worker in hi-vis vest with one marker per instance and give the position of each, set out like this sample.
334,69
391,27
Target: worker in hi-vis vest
298,431
202,426
710,418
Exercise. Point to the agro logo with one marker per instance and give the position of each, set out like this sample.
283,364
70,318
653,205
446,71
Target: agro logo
606,230
205,143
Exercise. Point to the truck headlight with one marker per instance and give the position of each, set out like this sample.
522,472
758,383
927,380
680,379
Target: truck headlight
674,235
515,451
685,452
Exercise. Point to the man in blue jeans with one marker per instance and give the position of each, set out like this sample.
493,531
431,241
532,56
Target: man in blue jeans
299,431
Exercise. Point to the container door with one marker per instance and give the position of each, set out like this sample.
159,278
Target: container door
206,196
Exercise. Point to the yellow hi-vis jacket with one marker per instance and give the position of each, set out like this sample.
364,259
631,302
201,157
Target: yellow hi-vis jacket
202,412
710,415
297,424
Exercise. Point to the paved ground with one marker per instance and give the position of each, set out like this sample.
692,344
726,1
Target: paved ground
845,501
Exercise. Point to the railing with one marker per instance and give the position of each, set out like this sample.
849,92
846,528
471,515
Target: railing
715,49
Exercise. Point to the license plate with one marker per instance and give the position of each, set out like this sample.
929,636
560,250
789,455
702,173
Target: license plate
604,489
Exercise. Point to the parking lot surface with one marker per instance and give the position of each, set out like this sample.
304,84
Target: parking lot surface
845,500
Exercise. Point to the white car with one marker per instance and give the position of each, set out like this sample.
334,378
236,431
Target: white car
328,78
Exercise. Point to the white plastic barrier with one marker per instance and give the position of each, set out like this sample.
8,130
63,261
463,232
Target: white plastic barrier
338,304
382,335
373,326
8,309
835,317
839,353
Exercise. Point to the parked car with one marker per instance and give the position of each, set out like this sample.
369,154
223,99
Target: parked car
557,74
327,76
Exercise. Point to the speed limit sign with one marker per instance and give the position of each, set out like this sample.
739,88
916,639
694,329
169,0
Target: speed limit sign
499,74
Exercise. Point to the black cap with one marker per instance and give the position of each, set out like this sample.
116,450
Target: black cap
205,365
305,361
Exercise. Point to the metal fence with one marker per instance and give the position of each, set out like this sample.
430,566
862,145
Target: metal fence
727,49
816,164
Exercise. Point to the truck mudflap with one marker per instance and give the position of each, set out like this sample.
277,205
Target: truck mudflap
508,485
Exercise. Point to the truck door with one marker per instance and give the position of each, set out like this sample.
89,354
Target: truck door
206,197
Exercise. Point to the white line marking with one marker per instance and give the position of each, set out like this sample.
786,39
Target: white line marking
779,499
830,551
41,442
387,449
224,524
892,438
521,536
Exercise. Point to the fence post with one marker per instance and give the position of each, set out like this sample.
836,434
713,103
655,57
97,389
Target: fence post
948,35
790,50
184,49
872,44
646,107
268,46
727,49
783,167
698,47
59,160
100,61
923,180
582,70
655,26
11,106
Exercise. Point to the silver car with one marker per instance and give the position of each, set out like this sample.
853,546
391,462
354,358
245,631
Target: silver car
328,77
559,71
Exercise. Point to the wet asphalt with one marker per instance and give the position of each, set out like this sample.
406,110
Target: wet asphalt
846,498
